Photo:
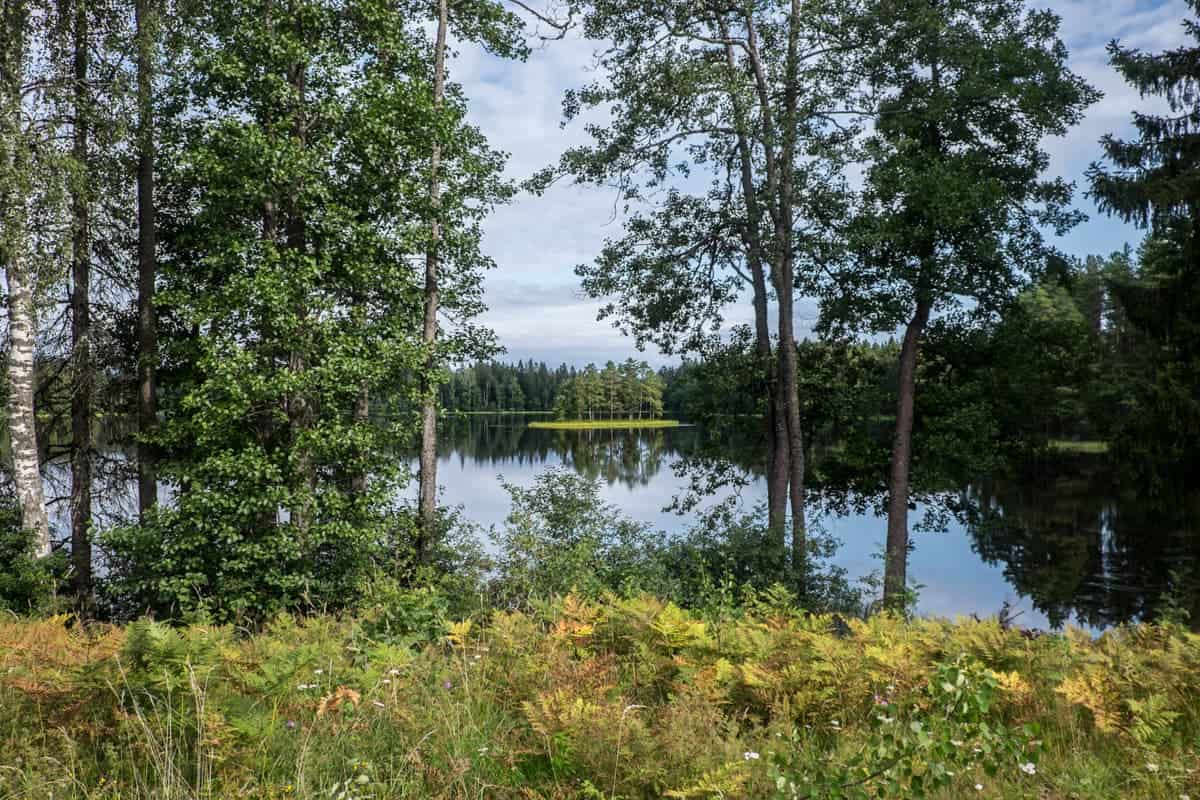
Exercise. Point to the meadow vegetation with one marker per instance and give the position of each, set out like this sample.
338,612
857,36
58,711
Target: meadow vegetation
607,697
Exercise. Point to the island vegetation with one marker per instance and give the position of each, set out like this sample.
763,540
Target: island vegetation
245,262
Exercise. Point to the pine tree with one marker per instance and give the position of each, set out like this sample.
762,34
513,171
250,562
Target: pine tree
1153,181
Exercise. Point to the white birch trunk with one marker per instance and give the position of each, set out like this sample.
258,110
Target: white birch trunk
22,430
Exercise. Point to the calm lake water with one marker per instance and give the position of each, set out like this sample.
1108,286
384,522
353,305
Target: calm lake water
1065,546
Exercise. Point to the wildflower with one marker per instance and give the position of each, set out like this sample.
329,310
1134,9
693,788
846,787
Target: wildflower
1029,768
386,681
393,672
363,779
290,724
880,700
1184,797
750,755
318,672
1152,767
477,656
483,750
447,684
886,720
956,743
979,787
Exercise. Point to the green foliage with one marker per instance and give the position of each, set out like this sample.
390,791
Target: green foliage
632,699
560,536
27,584
296,201
914,755
630,391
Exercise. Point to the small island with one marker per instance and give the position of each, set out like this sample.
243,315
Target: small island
598,424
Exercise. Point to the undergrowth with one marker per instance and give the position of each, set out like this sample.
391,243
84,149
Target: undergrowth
614,698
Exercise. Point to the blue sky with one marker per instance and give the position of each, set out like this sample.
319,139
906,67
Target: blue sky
536,306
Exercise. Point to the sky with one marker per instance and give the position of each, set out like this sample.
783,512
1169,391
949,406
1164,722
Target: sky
535,303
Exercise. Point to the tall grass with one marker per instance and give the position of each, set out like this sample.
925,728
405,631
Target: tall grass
578,699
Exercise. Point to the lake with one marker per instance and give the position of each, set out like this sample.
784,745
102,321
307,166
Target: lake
1064,545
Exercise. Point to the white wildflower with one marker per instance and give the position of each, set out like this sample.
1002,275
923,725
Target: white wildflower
979,787
318,672
750,755
1029,768
1152,767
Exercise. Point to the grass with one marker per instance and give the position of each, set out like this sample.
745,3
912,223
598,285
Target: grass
1087,447
617,699
603,424
502,413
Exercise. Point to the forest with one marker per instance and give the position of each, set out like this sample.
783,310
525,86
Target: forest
248,249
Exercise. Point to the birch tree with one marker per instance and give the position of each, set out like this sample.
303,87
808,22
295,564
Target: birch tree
18,163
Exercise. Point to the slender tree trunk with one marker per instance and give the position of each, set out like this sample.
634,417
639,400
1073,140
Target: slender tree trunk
81,396
778,462
427,501
20,275
22,429
147,324
362,416
785,290
790,391
896,557
300,410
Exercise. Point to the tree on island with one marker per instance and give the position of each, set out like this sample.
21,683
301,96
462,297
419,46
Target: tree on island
631,391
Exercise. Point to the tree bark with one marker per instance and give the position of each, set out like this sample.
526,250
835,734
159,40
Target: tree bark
299,407
786,288
895,580
147,324
362,415
20,274
427,500
81,396
22,428
777,456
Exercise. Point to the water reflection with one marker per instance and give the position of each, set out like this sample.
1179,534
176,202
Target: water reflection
1065,544
1084,550
630,457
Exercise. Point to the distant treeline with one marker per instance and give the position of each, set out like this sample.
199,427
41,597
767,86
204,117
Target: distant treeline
630,389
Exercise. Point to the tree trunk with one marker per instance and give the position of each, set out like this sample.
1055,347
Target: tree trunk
896,557
362,415
427,501
778,463
300,409
22,429
147,324
785,289
790,401
20,275
81,396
